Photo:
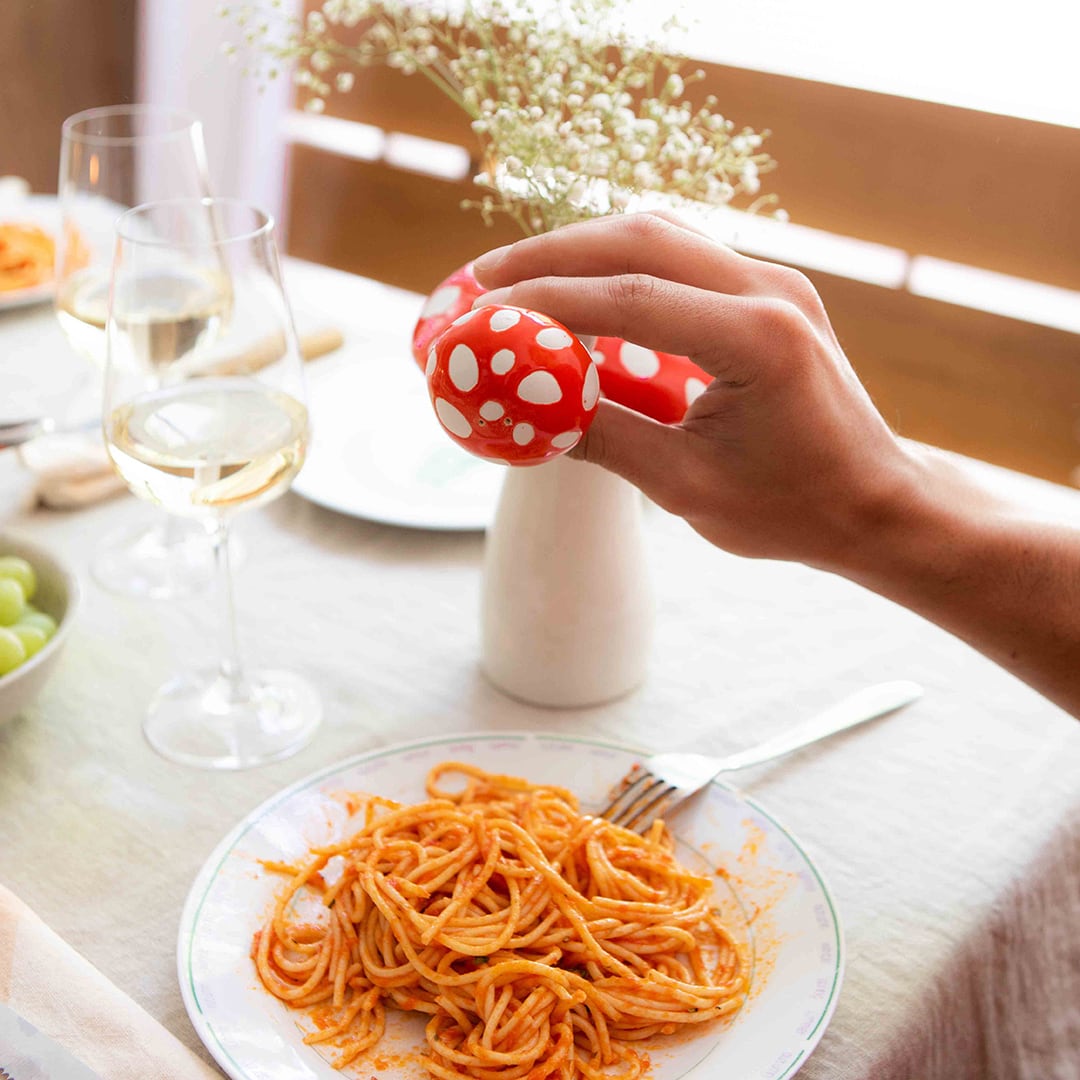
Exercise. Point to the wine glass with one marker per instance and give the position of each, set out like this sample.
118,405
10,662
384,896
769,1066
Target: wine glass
204,414
112,159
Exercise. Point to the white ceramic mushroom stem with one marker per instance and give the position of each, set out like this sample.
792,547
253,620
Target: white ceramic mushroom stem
567,606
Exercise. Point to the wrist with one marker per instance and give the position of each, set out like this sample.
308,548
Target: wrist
915,523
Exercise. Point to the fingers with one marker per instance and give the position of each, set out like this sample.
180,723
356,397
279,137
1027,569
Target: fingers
640,450
655,244
731,337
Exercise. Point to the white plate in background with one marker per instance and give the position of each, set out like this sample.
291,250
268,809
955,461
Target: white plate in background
378,452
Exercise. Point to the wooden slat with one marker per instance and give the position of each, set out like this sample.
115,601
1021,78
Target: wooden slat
57,58
972,187
984,385
395,102
404,228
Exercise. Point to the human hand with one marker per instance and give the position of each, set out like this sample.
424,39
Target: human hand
784,455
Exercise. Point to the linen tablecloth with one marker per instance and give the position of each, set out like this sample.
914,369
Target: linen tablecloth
949,833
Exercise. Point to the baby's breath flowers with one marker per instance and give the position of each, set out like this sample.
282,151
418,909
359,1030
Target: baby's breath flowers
573,116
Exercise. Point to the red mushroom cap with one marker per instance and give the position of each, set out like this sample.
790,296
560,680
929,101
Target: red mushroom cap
512,385
658,384
450,299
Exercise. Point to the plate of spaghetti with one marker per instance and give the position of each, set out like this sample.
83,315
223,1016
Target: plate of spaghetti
450,909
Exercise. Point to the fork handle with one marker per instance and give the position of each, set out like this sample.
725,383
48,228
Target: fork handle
861,706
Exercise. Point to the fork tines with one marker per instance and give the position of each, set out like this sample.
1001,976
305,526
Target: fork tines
637,799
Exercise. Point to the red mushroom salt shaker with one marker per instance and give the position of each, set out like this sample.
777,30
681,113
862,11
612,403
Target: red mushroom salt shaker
658,384
512,385
451,299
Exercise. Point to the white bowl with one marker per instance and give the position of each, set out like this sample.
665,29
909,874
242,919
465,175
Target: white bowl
59,595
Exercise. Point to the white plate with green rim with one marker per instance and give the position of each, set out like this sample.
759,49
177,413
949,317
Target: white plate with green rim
768,889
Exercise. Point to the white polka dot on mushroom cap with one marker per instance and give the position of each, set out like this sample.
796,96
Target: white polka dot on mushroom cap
441,301
452,419
432,361
598,356
504,319
503,361
554,337
540,388
590,390
465,317
524,434
492,410
566,439
463,369
694,389
644,363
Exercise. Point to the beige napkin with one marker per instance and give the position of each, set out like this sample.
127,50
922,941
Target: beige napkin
64,996
71,471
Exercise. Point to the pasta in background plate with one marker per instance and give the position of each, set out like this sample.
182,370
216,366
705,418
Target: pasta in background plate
27,256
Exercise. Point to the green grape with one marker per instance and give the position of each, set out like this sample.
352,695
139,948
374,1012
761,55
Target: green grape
12,653
32,637
12,601
38,619
11,566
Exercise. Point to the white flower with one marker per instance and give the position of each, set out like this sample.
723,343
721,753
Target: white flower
748,178
645,175
557,96
718,191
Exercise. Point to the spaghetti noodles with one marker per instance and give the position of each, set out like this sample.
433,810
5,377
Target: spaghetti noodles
540,942
26,256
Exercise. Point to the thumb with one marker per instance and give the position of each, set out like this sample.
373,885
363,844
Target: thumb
639,449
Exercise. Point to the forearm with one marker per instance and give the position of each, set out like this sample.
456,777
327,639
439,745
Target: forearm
994,574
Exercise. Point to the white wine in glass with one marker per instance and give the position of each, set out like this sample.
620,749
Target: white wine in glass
112,159
205,415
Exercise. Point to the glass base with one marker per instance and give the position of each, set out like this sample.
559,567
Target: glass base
168,558
207,720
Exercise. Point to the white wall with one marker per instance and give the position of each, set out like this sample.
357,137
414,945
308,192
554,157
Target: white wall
180,63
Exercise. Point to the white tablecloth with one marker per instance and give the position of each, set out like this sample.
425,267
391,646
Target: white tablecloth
949,833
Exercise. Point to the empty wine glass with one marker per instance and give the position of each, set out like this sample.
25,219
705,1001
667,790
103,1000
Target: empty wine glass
204,414
112,159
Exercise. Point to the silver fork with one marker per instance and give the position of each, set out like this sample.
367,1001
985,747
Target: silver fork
663,781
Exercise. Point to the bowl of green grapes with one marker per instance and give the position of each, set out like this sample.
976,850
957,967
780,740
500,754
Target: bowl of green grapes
39,597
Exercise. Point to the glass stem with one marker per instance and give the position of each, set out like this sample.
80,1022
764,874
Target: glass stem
228,643
170,530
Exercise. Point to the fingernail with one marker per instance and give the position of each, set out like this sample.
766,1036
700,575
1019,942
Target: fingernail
490,259
496,296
